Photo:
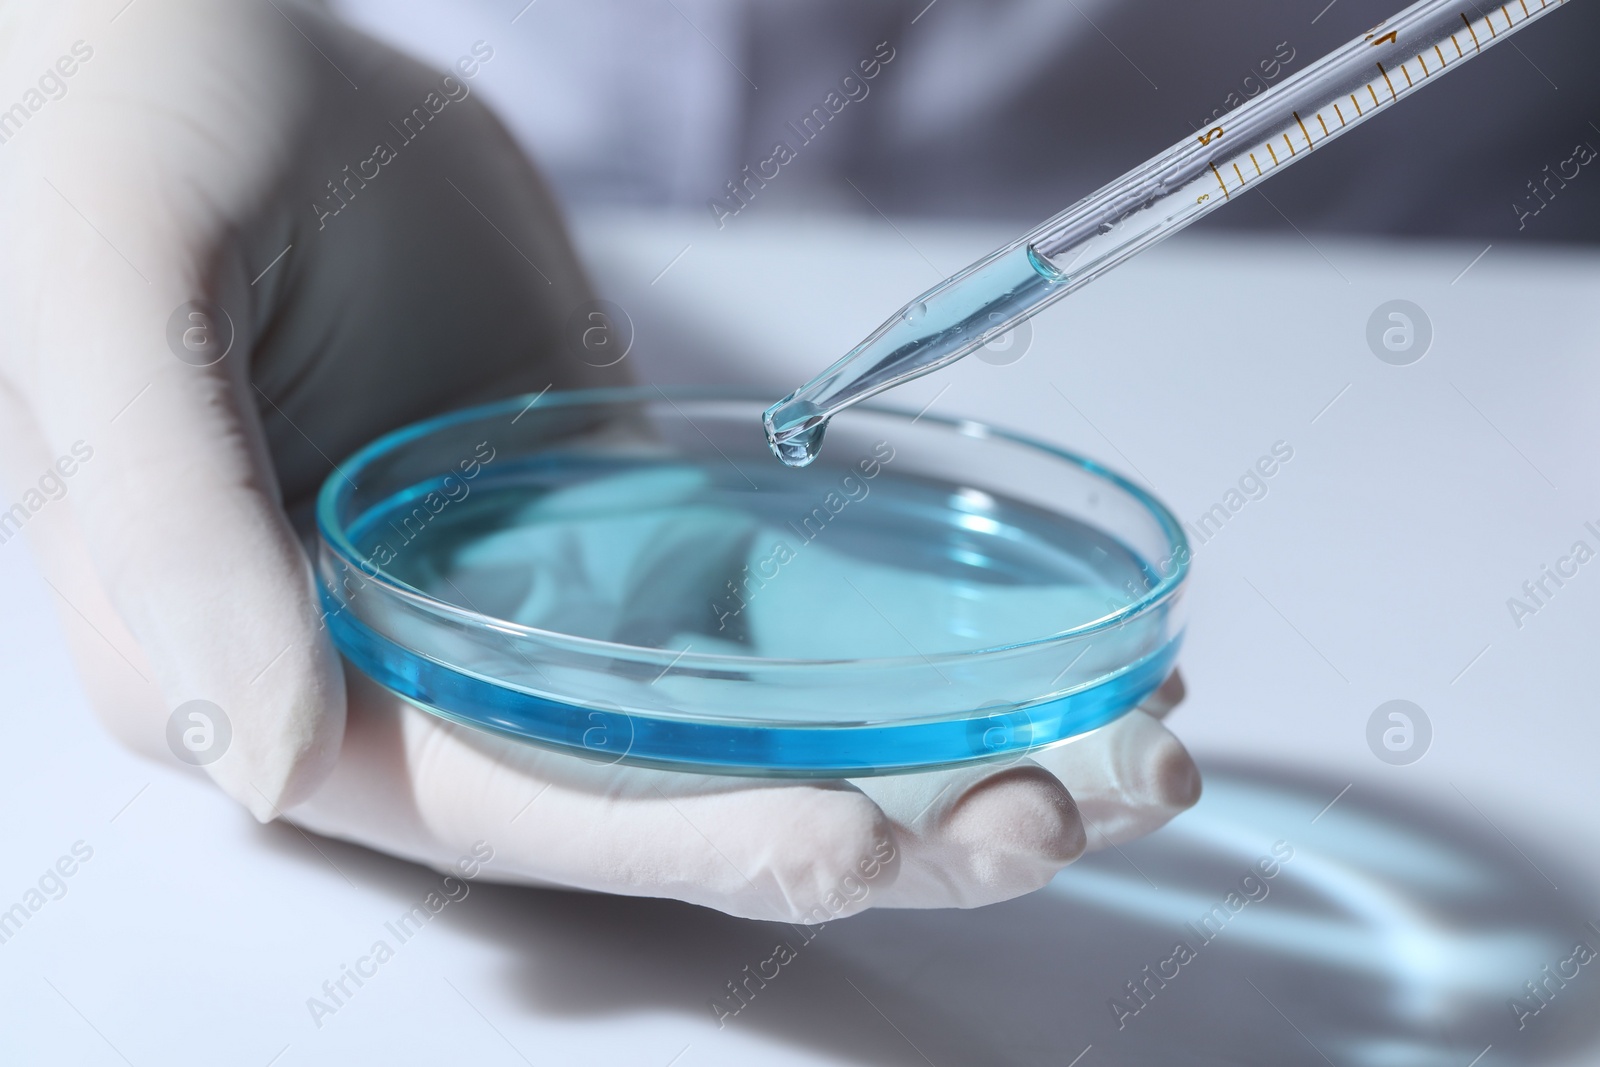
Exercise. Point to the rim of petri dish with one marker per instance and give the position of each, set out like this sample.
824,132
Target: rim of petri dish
336,489
335,495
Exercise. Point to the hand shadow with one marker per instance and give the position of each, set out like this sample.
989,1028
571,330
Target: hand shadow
1388,932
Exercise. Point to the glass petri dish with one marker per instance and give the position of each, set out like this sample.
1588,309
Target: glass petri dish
628,575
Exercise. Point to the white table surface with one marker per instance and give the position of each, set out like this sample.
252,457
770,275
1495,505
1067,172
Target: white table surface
1377,567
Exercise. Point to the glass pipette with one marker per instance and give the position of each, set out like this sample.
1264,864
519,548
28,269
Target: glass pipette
1198,175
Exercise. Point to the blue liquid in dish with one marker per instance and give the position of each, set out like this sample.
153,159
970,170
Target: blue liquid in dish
811,567
814,566
938,328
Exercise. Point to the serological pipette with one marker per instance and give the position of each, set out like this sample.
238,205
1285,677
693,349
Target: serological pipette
1203,172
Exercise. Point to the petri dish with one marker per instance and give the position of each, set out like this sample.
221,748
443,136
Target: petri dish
627,575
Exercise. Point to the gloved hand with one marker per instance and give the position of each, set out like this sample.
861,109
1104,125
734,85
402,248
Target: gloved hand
379,251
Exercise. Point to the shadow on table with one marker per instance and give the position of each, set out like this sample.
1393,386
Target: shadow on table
1388,933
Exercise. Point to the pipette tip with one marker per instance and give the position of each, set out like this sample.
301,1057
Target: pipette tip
794,431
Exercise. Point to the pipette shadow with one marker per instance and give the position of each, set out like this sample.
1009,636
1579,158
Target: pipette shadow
1393,932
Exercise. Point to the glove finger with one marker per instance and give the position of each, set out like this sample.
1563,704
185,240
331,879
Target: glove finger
1129,777
976,836
180,517
1166,697
429,790
174,492
177,504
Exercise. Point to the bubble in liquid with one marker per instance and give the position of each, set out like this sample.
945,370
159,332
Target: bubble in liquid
914,313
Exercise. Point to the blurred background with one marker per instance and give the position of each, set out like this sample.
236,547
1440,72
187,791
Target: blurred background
1008,109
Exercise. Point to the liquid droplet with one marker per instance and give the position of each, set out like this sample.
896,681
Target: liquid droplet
794,431
914,313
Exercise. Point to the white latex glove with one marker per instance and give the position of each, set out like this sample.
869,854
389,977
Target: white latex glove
184,155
